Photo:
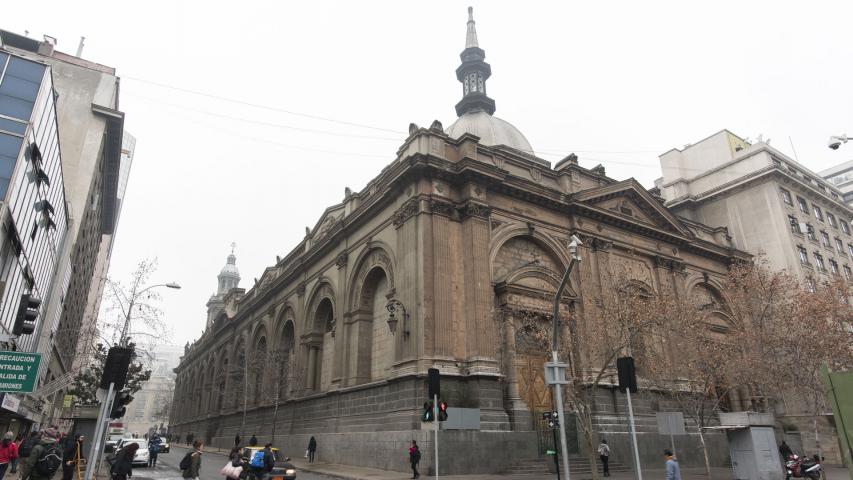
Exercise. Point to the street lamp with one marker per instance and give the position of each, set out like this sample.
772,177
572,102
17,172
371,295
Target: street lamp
556,366
134,296
835,141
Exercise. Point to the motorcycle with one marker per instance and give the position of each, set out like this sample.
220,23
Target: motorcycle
803,467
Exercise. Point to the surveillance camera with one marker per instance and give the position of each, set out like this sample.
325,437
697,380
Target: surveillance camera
835,141
575,241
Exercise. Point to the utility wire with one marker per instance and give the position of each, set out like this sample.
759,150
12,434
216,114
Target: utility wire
261,122
264,107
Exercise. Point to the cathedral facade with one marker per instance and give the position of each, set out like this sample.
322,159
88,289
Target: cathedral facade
429,266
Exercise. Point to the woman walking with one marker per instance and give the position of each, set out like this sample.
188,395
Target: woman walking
414,459
312,449
8,452
123,465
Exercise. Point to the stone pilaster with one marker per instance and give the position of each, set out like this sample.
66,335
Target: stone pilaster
519,413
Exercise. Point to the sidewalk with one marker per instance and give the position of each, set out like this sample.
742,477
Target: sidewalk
350,472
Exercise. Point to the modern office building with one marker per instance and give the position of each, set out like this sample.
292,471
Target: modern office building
841,176
33,215
772,205
91,131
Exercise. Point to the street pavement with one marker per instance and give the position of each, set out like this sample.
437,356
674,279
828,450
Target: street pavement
211,463
214,459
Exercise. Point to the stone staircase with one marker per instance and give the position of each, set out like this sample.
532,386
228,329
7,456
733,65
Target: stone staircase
545,465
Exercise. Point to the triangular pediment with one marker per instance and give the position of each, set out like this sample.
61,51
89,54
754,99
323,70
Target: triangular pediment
328,221
630,201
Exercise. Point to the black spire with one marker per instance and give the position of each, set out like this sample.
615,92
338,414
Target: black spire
473,74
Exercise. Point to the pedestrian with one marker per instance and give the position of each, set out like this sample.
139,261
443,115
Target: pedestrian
153,450
253,442
45,457
414,459
72,454
673,472
269,460
14,463
192,462
604,455
312,449
123,465
785,451
8,452
237,440
25,449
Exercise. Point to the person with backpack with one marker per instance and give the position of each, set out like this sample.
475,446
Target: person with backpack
122,466
45,458
604,455
261,463
414,459
154,450
191,463
72,454
24,451
8,452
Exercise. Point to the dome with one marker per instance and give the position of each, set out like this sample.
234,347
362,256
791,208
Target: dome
491,130
230,268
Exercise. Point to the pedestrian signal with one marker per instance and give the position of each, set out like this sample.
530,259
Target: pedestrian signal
442,411
428,415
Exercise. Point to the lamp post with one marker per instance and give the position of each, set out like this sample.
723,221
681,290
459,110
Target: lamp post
558,377
131,302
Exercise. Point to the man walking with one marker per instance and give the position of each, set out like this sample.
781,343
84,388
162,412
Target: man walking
154,450
604,455
672,470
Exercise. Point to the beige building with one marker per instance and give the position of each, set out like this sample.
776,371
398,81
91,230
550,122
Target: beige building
149,410
842,177
773,205
464,237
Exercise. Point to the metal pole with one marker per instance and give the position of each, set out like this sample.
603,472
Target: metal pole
437,425
558,393
99,432
634,435
556,457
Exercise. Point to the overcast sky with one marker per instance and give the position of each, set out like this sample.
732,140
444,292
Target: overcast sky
616,82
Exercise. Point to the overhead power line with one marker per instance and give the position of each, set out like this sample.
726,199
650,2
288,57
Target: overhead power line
261,122
264,107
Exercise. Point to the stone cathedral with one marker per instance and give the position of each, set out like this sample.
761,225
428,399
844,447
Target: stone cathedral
428,266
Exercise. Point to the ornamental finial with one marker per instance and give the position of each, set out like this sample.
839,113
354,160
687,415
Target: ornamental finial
471,37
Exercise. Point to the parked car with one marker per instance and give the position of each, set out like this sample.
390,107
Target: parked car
164,447
283,470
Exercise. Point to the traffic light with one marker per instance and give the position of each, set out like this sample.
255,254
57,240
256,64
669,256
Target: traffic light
627,374
28,312
116,366
442,411
120,404
428,414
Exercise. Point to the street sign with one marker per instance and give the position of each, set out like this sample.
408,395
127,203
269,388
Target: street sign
555,373
18,371
670,423
10,403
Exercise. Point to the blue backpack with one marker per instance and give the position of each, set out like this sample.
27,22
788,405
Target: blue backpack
258,459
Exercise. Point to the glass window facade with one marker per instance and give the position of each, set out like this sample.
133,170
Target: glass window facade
20,83
31,182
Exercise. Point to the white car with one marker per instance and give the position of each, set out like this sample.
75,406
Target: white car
141,457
